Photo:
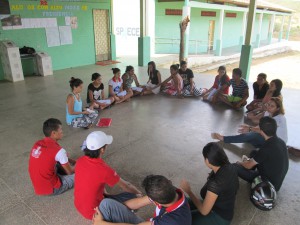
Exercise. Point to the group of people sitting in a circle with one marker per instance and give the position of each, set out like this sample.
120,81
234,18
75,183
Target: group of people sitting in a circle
52,172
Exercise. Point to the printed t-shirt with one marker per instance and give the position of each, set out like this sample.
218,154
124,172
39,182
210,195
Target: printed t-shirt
96,92
44,155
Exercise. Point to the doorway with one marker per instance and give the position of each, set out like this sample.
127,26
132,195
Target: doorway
211,34
102,34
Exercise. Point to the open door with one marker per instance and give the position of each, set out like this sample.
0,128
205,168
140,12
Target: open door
102,34
211,34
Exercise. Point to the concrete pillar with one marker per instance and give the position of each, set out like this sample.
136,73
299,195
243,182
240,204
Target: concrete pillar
247,49
257,42
143,40
244,24
150,24
218,51
113,49
186,11
281,30
289,29
271,29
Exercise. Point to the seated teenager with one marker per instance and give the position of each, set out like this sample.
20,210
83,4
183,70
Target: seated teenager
47,157
220,80
95,93
260,88
173,85
153,84
172,208
271,160
128,77
273,91
92,174
189,87
116,87
219,192
240,92
74,114
252,135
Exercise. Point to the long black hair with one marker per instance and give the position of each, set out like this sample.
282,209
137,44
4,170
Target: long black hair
278,84
154,70
215,154
223,78
128,68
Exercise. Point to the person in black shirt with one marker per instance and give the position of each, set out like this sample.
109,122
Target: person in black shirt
260,88
95,94
189,88
271,160
153,84
219,192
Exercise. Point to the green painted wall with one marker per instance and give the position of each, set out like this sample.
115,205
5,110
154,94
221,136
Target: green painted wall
167,27
81,52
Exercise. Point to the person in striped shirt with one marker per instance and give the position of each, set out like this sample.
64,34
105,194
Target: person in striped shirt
240,92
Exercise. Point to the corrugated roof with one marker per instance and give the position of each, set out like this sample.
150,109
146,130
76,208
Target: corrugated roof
261,4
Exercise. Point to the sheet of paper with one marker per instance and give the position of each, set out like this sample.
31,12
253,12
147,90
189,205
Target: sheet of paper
52,35
139,89
65,34
106,101
123,93
68,20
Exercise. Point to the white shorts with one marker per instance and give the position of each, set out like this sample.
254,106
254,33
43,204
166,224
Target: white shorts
150,86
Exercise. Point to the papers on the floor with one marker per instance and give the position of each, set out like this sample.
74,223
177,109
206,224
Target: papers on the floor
104,122
122,93
139,89
106,101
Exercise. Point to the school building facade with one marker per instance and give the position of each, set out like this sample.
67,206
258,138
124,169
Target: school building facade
214,24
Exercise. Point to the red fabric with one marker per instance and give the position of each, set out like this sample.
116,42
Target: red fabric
216,84
91,175
116,80
42,166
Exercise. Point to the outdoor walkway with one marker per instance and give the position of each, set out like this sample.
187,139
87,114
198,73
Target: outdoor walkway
152,135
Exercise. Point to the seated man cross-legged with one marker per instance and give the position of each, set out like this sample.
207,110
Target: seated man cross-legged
92,174
171,206
271,160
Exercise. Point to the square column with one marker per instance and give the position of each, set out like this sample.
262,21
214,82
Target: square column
244,25
271,29
257,43
218,51
281,30
143,40
289,29
247,49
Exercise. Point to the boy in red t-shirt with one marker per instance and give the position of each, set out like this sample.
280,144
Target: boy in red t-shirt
46,157
92,174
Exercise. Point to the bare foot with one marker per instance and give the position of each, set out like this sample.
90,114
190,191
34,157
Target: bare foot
217,136
89,126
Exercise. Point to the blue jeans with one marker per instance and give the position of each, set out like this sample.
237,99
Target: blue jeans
116,212
67,182
246,174
210,219
252,138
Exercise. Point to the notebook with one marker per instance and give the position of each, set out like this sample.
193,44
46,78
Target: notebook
104,122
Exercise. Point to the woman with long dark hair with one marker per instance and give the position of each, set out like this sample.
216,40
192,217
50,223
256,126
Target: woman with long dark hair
221,79
219,192
74,114
153,84
251,134
128,77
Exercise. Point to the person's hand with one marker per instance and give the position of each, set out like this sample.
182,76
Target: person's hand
243,129
238,105
185,186
97,218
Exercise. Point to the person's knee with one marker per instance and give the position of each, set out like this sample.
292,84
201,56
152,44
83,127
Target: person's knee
106,205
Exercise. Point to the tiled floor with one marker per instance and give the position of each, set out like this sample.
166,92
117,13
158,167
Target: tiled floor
152,135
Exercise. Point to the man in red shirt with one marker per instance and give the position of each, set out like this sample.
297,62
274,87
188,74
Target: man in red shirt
92,174
45,156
